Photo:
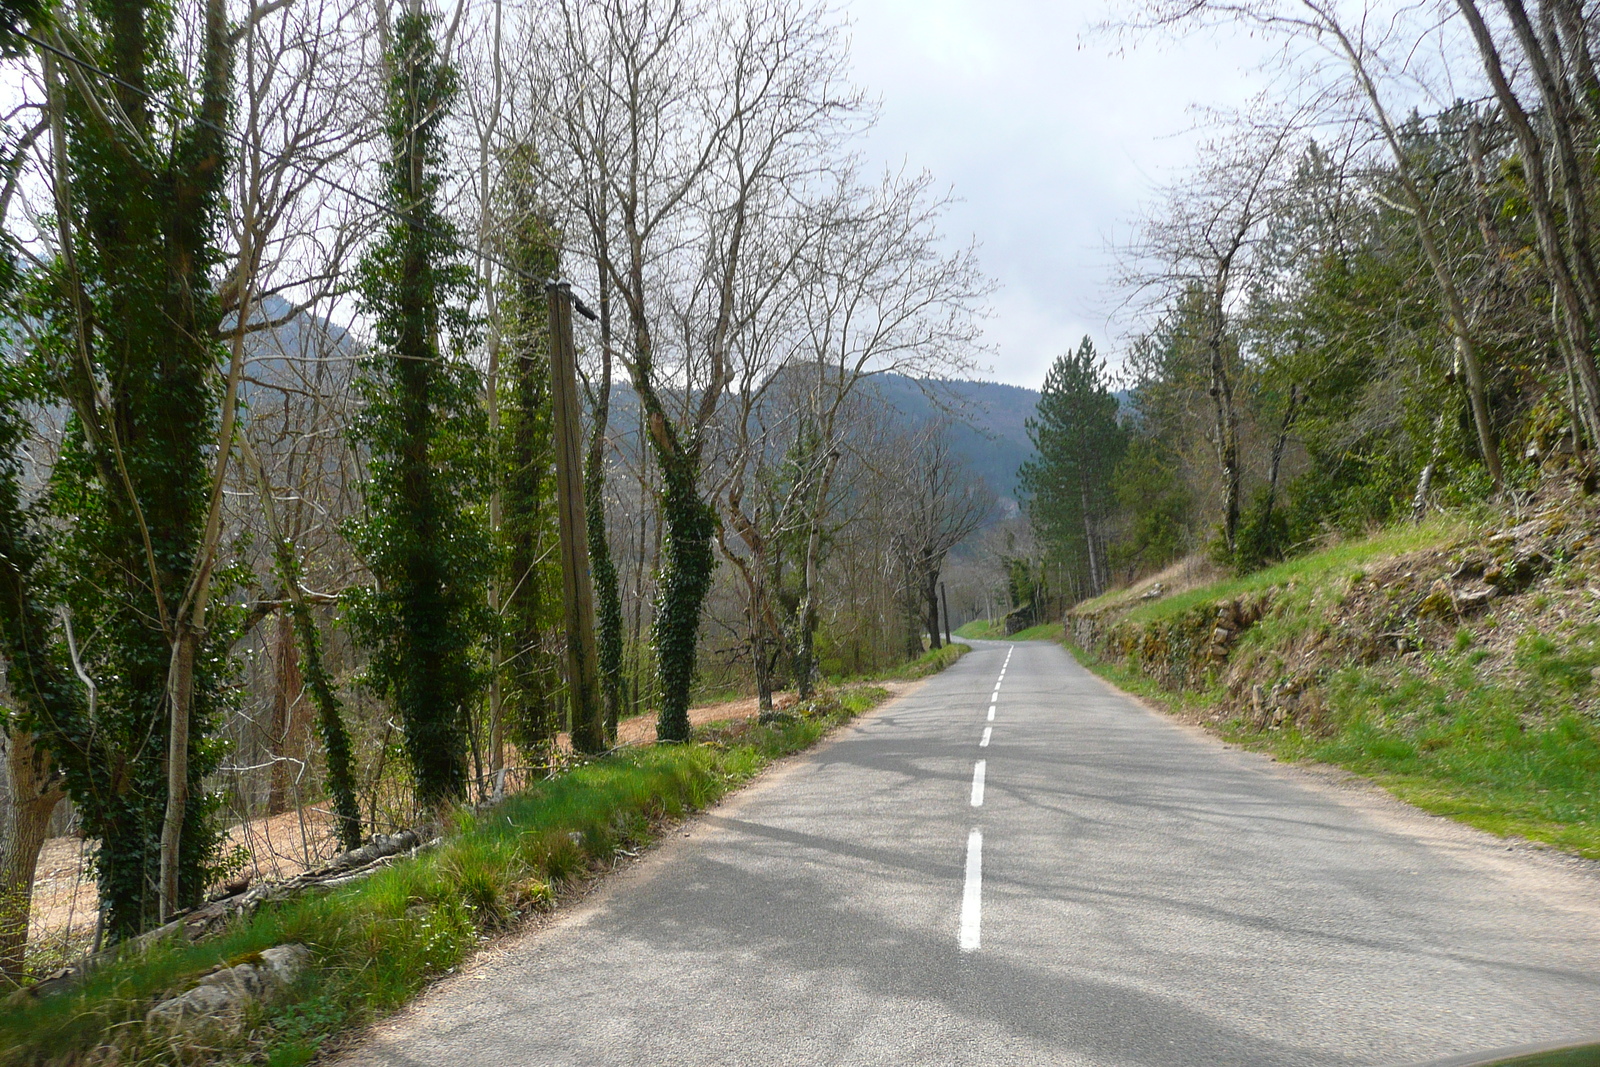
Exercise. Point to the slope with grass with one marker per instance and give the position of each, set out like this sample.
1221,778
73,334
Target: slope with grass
377,942
1453,662
983,629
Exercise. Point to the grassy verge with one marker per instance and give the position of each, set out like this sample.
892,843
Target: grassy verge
932,661
1495,723
982,630
1502,756
376,943
1467,750
1045,631
1314,568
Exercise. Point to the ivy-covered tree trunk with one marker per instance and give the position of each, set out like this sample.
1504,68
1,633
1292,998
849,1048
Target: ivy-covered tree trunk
607,596
686,564
127,337
330,720
312,670
424,537
531,602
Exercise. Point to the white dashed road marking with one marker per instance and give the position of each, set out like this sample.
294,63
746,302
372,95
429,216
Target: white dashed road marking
972,896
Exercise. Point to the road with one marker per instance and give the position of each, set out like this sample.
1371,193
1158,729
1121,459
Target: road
1142,895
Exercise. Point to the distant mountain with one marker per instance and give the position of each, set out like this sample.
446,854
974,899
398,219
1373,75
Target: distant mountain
989,429
987,419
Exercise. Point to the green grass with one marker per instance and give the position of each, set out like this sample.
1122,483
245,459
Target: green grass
1493,756
1509,756
982,630
1515,751
1343,560
378,942
1045,631
931,661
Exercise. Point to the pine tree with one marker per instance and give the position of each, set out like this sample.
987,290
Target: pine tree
1079,441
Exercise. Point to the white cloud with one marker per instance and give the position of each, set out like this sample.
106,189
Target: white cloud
1049,135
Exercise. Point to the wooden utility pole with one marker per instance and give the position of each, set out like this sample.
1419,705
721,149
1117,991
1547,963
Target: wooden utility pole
583,670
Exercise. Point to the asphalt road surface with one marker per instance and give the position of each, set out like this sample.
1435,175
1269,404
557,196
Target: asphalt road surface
1066,879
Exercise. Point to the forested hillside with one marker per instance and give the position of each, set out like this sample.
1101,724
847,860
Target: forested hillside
986,421
988,427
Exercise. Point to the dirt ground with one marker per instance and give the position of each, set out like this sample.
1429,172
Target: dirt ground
1190,572
641,730
65,901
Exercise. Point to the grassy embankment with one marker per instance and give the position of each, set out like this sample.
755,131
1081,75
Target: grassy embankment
1453,663
984,630
932,661
376,943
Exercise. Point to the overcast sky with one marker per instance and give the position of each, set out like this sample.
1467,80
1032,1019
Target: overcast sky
1051,137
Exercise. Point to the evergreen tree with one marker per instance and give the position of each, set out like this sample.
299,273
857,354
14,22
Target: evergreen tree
1078,441
424,534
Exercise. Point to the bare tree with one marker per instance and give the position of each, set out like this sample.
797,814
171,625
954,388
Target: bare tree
870,291
1194,255
939,504
669,133
1359,44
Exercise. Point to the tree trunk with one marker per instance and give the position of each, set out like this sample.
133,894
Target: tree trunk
1573,278
1419,500
685,579
180,692
761,658
910,599
806,659
35,790
607,598
1227,430
287,748
1459,325
805,665
1290,413
1090,542
930,600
